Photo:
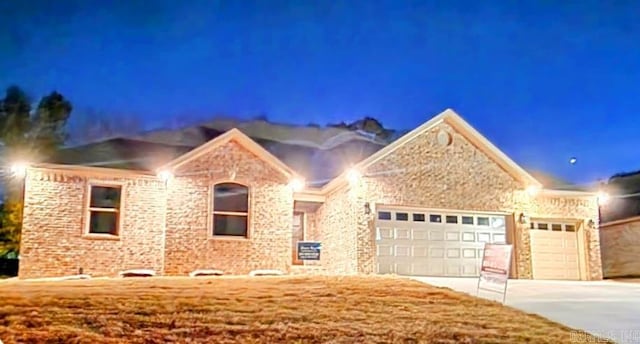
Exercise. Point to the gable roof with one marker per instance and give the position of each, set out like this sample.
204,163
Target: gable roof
242,139
471,134
321,166
120,153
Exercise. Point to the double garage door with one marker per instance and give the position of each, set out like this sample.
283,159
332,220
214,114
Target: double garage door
448,243
423,242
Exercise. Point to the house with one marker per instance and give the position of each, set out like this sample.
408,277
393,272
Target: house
424,204
620,241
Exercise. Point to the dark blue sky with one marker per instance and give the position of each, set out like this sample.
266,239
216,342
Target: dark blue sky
544,80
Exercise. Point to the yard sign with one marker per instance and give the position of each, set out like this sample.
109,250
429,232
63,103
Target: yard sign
494,271
309,250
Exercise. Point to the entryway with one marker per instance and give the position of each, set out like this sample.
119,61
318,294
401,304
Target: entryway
297,235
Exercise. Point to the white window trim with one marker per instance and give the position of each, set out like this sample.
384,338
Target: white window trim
88,209
211,212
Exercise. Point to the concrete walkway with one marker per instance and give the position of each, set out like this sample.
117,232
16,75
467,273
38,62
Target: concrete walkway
604,308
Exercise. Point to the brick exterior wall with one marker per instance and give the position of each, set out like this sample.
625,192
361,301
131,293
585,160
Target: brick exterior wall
167,227
621,248
54,242
335,220
459,176
190,244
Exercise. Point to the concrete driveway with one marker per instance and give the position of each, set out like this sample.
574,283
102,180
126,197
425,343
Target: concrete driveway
605,308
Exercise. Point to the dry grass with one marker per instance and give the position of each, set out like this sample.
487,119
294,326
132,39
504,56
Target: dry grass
260,310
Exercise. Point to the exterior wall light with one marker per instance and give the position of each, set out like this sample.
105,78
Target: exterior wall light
523,218
367,208
591,224
353,175
165,175
18,169
603,198
533,190
296,184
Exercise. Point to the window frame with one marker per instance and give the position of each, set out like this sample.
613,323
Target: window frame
212,212
88,209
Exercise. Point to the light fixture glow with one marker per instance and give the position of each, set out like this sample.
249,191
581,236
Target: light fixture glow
603,198
296,184
353,175
533,190
18,169
165,175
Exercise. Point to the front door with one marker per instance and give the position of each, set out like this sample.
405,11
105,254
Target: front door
298,235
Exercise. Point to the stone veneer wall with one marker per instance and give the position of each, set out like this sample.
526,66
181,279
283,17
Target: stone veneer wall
336,223
190,244
620,243
54,242
424,173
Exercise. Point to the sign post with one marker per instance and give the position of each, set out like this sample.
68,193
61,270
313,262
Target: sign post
309,250
494,271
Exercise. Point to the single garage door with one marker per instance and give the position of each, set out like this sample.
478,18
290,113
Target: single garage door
434,243
554,250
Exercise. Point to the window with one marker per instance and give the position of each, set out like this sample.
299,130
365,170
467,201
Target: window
451,219
467,220
556,227
543,226
402,217
435,218
570,228
104,209
483,221
384,215
418,217
230,209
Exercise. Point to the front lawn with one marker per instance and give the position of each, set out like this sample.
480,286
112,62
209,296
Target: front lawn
260,310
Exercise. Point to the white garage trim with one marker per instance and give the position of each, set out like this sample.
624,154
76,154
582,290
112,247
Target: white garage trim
429,242
441,210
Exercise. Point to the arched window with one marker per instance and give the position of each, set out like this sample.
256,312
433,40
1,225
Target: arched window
230,209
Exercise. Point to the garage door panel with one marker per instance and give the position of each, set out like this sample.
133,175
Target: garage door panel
571,245
403,269
420,251
385,250
453,253
403,251
436,267
385,267
470,270
554,251
437,243
436,235
419,234
403,233
453,269
452,236
385,233
572,258
484,237
469,236
420,269
468,253
436,252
